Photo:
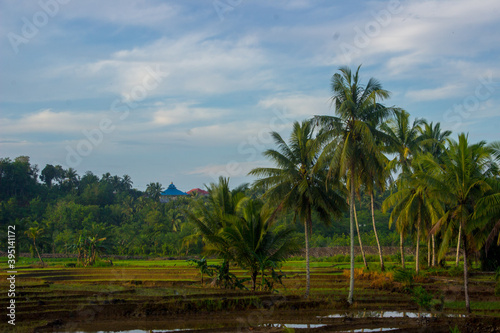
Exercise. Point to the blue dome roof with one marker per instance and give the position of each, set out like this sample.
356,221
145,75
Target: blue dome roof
172,190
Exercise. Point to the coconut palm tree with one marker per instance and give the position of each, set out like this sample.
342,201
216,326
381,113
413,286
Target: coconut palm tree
35,233
153,190
126,182
71,178
433,141
415,203
356,109
488,207
213,216
375,177
462,179
297,183
255,242
403,139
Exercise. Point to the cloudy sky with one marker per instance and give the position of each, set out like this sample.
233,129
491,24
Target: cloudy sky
185,91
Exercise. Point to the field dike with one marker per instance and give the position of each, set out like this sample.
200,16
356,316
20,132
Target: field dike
166,298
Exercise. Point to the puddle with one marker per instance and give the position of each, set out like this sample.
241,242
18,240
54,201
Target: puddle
381,329
190,329
389,314
293,325
412,315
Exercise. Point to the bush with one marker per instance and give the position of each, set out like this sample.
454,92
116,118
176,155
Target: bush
380,280
372,258
397,257
404,276
340,258
422,297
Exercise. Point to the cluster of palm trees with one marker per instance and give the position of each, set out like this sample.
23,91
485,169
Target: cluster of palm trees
441,189
238,229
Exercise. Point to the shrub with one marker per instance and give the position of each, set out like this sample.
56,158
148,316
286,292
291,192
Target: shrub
404,276
397,257
422,297
372,258
340,258
380,280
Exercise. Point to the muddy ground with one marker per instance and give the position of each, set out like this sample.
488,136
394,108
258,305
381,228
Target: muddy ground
163,299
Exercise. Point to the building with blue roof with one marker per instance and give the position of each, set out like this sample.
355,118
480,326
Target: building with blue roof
171,193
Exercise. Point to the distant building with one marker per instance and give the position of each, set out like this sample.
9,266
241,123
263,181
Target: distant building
197,191
171,193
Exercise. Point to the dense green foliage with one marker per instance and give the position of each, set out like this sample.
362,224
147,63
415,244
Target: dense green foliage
132,222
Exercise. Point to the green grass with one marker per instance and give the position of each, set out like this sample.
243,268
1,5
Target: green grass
460,305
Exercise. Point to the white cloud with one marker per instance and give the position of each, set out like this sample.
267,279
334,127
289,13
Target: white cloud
229,169
298,106
143,13
185,113
48,121
444,92
195,63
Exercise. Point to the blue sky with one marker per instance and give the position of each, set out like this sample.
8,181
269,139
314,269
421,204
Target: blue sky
185,91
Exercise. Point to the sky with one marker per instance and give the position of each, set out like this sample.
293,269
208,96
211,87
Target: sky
187,91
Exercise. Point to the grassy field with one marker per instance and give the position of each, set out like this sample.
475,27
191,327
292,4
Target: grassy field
143,294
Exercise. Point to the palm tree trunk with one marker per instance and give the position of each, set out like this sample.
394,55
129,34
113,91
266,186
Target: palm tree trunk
433,251
458,245
466,277
382,268
308,272
417,257
351,227
401,245
428,252
359,235
38,253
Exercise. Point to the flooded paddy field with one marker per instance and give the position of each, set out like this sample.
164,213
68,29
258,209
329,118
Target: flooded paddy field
167,296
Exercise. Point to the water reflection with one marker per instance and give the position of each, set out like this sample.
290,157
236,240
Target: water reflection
390,314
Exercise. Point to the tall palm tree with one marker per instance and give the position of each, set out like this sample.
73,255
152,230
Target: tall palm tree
153,190
414,204
297,183
72,177
126,182
461,177
375,177
433,141
488,207
356,109
403,139
33,233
